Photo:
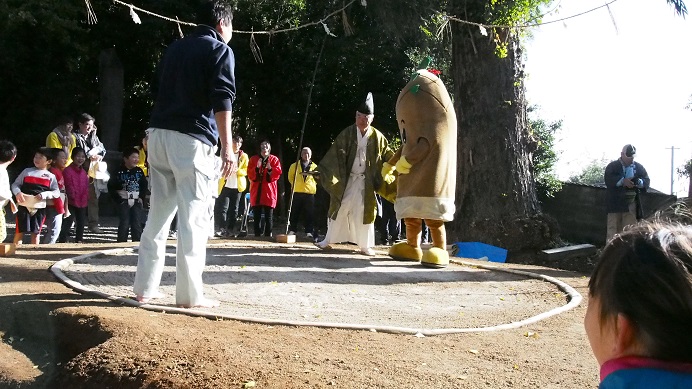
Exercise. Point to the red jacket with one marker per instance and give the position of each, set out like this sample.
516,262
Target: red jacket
58,204
263,190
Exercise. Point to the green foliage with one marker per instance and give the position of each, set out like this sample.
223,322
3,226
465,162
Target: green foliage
43,65
686,170
511,13
54,67
591,174
273,95
544,158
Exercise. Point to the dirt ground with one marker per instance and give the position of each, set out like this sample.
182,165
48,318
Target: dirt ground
55,337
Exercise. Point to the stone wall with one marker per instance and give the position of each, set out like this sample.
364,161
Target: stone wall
581,212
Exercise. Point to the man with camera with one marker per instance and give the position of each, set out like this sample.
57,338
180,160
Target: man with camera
625,181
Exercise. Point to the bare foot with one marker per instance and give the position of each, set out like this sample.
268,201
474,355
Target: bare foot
144,300
205,303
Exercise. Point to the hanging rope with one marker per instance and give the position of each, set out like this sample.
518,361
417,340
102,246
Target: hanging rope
254,48
321,21
363,3
132,8
91,15
302,131
529,25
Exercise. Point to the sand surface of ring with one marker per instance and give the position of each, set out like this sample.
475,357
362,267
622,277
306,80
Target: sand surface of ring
299,283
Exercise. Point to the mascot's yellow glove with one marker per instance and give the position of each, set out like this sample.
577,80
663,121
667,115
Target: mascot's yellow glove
403,166
388,173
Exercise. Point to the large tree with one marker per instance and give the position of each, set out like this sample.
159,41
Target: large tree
496,192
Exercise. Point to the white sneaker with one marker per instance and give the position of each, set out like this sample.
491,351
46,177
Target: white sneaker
308,235
367,251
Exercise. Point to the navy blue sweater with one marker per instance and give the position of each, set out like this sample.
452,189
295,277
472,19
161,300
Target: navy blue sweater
195,78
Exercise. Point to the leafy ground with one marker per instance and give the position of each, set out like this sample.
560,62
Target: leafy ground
54,337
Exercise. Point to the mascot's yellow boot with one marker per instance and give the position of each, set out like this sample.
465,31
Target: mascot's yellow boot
409,250
437,256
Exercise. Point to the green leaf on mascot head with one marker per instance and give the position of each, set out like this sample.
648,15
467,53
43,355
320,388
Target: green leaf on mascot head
423,64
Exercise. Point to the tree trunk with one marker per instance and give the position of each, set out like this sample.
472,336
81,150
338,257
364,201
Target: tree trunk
111,85
496,194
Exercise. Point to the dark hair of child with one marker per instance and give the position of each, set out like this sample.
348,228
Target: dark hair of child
76,151
129,151
8,151
645,274
55,152
46,152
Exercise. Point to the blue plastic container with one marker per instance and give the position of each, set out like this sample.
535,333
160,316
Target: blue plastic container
477,250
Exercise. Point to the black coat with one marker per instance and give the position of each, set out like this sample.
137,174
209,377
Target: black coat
616,196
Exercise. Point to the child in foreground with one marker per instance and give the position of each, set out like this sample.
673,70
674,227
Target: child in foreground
55,209
32,188
640,308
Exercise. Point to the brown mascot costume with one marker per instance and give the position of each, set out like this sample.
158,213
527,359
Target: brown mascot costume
426,167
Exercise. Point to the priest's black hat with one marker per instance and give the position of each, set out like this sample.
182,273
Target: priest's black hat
367,107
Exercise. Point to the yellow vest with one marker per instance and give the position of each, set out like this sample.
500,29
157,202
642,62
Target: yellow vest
304,184
53,142
241,174
142,160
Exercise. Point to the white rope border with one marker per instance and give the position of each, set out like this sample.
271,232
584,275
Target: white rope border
574,300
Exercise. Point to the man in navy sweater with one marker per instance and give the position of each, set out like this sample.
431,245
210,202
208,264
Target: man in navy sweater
194,90
625,181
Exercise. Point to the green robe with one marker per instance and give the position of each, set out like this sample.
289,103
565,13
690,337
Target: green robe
335,169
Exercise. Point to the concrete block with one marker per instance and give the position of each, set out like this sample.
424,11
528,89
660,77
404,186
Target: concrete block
568,252
283,238
7,249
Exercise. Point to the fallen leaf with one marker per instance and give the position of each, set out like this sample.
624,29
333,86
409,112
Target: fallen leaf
531,334
249,384
472,351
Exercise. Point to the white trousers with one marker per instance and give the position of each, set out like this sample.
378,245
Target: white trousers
348,226
181,169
